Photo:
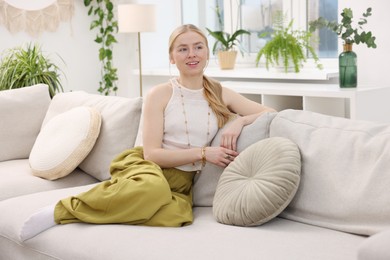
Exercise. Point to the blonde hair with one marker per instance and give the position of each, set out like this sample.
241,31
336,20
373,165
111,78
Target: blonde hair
212,88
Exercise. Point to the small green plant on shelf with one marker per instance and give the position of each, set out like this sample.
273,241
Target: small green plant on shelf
26,66
225,41
345,29
287,47
107,26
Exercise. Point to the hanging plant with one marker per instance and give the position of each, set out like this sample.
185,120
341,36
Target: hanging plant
106,26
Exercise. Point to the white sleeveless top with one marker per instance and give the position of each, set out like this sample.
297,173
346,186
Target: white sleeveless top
196,108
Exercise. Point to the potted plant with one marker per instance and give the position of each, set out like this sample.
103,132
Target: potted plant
287,47
225,46
22,67
350,35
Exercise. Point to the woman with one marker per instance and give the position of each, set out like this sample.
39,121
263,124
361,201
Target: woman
152,185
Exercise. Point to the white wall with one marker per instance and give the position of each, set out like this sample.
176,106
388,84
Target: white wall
373,69
73,41
155,44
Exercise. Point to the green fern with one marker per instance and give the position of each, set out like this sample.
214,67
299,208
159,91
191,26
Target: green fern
287,46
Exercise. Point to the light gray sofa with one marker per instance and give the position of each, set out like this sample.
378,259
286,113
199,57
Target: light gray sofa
341,207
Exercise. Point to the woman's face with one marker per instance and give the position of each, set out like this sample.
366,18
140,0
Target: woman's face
189,53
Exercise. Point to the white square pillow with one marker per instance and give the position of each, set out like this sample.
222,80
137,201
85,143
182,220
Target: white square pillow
206,182
21,113
120,122
64,142
345,176
258,184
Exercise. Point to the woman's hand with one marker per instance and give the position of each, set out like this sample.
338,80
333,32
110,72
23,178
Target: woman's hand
231,133
220,156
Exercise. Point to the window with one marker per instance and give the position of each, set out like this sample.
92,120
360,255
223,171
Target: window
256,16
327,47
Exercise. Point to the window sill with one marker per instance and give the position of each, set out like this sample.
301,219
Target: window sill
252,73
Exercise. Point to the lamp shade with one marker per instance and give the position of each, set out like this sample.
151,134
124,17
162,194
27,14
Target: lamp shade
136,18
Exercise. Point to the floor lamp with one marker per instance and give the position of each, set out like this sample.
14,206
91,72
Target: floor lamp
137,18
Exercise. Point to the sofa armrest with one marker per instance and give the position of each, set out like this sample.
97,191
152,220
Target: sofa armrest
375,247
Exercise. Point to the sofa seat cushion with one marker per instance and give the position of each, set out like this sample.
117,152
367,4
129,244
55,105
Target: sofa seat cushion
204,239
375,247
345,171
22,112
259,183
17,179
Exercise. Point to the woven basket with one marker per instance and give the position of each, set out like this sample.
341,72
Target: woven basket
227,59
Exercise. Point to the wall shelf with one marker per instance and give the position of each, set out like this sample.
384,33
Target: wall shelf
250,73
369,104
311,89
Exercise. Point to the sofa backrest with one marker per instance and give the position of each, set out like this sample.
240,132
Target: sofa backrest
120,122
345,175
22,112
205,183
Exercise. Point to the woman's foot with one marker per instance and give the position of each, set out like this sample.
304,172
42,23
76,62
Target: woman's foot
38,222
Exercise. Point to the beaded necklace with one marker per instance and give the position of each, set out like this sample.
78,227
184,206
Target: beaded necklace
186,121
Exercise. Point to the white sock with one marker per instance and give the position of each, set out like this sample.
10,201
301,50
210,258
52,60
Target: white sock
38,222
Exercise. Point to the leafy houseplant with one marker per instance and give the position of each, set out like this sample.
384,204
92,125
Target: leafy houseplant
22,67
106,26
287,47
345,30
349,35
226,43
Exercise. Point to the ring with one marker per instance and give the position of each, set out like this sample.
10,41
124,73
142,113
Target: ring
228,157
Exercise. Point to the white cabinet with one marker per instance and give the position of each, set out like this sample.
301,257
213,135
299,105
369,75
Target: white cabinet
372,104
311,89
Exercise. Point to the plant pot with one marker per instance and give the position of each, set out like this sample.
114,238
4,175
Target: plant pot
227,59
347,67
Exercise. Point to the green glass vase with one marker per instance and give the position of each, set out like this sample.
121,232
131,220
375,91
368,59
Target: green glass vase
348,67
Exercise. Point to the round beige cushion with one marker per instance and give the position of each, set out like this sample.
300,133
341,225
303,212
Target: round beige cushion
259,183
64,142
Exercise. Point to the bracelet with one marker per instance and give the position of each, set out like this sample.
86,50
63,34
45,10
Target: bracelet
203,151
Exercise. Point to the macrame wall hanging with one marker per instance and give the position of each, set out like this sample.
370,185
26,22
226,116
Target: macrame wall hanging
35,16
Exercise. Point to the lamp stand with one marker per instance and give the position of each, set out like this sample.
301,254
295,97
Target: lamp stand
139,64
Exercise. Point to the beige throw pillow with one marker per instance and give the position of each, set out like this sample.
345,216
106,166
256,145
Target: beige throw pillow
120,122
64,142
205,183
259,183
21,112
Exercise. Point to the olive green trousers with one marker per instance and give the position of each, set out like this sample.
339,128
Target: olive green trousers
139,192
